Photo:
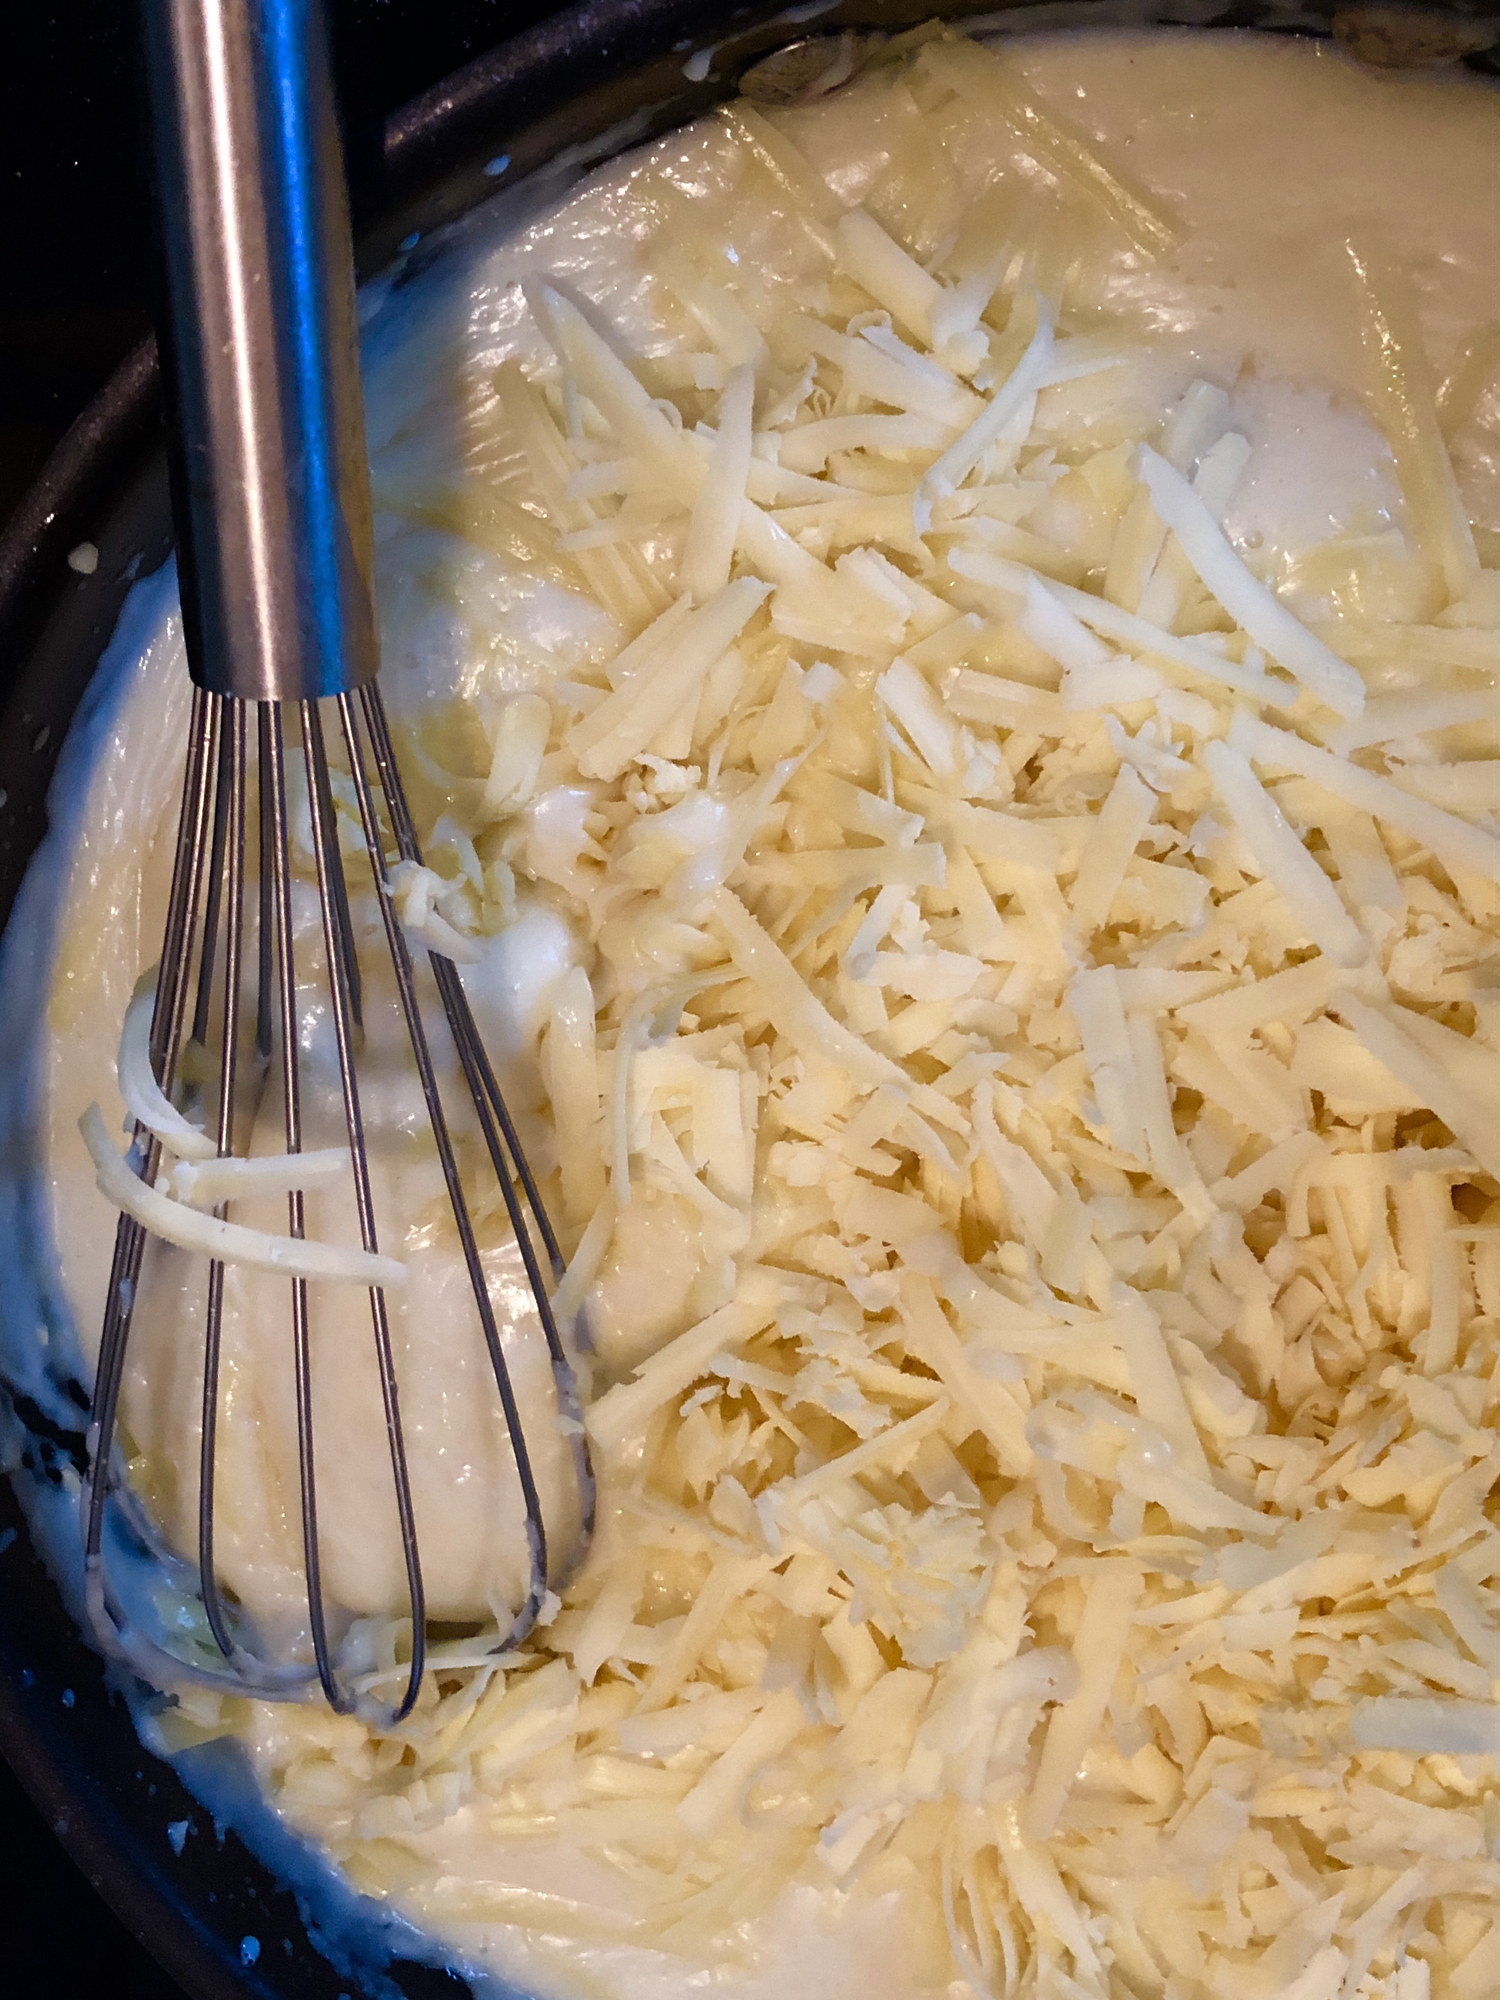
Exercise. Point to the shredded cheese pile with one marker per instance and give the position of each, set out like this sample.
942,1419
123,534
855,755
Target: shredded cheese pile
1033,1045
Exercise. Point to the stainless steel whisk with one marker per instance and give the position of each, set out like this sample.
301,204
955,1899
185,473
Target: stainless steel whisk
271,499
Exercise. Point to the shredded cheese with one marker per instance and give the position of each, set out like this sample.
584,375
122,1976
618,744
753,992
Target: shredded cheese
144,1097
227,1242
1023,1125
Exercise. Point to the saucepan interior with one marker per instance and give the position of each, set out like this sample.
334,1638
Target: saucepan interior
241,1909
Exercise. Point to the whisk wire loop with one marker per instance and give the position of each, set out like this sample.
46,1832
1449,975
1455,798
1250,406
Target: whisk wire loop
215,886
265,936
501,1138
344,1004
130,1237
401,961
229,813
274,779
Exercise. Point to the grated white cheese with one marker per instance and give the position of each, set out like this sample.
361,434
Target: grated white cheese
1023,1125
1282,859
1452,840
1181,508
205,1183
228,1242
144,1097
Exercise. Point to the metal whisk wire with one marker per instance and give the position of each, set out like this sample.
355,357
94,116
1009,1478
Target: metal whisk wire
342,990
209,896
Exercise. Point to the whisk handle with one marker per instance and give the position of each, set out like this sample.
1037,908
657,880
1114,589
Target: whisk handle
271,491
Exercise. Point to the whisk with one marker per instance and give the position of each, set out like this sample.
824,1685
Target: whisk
272,504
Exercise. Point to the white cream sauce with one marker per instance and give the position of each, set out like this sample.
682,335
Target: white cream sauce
1271,153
